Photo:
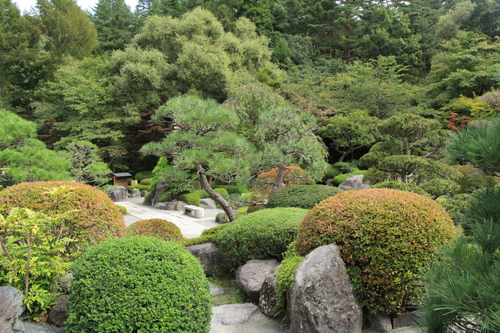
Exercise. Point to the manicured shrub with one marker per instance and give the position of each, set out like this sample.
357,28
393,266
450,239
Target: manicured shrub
202,193
301,196
190,198
330,173
167,196
345,167
385,237
223,192
242,211
158,228
395,185
207,236
96,217
143,175
146,181
437,187
122,209
138,284
261,235
340,178
238,189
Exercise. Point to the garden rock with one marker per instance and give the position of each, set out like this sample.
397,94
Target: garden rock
155,196
30,327
143,193
209,257
216,291
117,194
58,313
176,205
322,297
268,299
136,193
161,205
208,203
65,282
377,322
354,183
11,307
251,276
233,314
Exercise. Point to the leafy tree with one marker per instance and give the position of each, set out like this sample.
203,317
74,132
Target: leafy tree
204,140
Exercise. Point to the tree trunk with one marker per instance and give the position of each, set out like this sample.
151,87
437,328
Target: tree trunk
279,180
214,195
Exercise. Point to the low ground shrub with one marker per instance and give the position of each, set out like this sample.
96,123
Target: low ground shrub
143,175
395,185
202,193
301,196
340,178
385,237
146,181
207,236
158,228
138,284
190,198
122,209
261,235
95,219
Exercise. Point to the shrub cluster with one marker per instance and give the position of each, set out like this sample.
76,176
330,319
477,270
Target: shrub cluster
96,218
138,284
207,236
190,198
235,189
301,196
158,228
261,235
385,237
223,192
122,209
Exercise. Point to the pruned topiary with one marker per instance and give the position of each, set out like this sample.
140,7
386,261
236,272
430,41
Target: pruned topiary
385,236
263,234
138,284
301,196
158,228
96,219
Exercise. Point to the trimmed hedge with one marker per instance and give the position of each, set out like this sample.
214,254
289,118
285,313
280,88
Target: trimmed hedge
385,236
138,284
158,228
301,196
96,219
261,235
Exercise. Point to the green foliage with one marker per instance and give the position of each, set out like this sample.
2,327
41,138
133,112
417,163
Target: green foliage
284,276
202,193
96,218
345,167
140,188
330,173
394,185
114,279
122,209
437,187
190,198
472,108
242,211
145,181
301,196
455,206
223,192
210,235
31,256
261,235
158,228
483,205
143,175
231,189
388,234
336,181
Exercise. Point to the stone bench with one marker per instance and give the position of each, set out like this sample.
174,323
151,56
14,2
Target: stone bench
194,211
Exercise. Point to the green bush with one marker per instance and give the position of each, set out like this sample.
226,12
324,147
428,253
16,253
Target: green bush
122,209
158,228
242,211
385,237
138,284
210,235
284,276
340,178
143,175
395,185
190,198
223,192
330,173
455,206
437,187
96,219
232,189
261,235
202,193
301,196
146,181
345,167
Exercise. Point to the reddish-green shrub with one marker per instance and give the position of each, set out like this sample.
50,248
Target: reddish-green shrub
95,219
385,237
158,228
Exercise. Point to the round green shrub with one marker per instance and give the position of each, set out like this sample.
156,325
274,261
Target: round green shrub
145,181
242,211
143,175
122,209
301,196
202,193
385,236
210,235
340,178
437,187
261,235
96,217
345,167
395,185
235,189
223,192
138,284
158,228
190,198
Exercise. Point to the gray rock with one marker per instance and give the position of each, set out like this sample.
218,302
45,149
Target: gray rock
377,322
208,203
268,301
233,314
322,297
251,276
354,183
176,205
143,193
136,193
58,312
65,282
216,291
209,257
11,307
41,328
161,205
155,196
117,194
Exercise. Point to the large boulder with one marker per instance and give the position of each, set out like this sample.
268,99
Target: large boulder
209,257
354,183
154,197
11,307
58,312
250,277
233,314
176,205
117,194
268,298
208,203
322,297
136,193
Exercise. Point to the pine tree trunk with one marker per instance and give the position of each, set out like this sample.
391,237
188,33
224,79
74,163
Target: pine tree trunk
279,180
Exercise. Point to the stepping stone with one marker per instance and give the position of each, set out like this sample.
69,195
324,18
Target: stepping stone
233,314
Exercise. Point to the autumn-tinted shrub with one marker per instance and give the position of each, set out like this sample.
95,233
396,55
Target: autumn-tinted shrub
301,196
385,237
138,284
96,219
395,185
158,228
293,176
260,235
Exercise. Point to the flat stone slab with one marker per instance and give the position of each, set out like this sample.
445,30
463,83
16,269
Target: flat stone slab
233,314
